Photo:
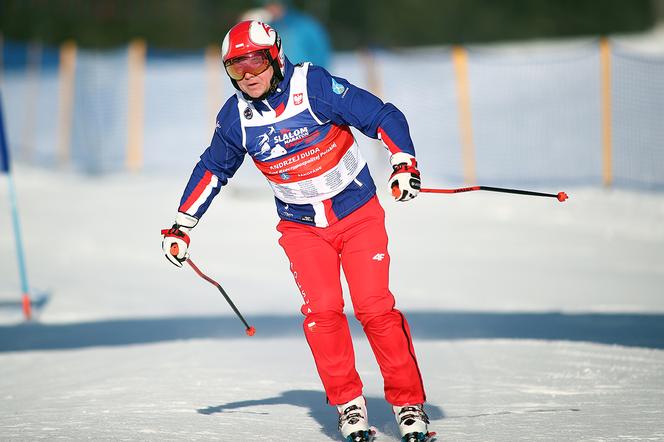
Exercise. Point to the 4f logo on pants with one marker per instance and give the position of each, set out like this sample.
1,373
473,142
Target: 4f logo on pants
378,257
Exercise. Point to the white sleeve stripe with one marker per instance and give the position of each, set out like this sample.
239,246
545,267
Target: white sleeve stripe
204,195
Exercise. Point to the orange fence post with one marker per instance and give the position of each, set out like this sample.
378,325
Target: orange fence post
215,87
135,111
373,77
374,85
607,141
31,99
460,60
67,74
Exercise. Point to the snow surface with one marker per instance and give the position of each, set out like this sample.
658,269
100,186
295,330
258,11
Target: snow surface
533,320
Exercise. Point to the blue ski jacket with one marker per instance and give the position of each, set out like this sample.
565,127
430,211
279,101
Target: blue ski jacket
299,137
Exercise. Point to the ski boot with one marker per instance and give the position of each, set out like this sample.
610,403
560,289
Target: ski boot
413,423
353,423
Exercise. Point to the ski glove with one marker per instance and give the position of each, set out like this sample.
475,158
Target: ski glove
175,240
405,178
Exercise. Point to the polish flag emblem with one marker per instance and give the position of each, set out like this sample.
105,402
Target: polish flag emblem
297,99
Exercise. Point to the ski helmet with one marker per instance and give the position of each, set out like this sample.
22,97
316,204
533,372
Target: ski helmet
253,36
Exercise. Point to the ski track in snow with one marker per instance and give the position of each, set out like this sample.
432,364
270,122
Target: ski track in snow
532,298
243,388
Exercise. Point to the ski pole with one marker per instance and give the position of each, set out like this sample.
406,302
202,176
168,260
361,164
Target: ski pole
560,196
5,167
250,330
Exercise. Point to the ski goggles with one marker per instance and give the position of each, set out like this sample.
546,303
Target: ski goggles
254,63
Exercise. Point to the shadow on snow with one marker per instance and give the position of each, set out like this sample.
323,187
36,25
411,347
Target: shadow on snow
641,330
380,413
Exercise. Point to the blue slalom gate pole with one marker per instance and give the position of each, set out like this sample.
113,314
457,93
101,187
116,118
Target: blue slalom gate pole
5,167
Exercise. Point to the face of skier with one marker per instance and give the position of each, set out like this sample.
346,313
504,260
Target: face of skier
256,85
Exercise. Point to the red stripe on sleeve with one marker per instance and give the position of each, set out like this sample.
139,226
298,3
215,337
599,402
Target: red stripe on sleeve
387,141
198,191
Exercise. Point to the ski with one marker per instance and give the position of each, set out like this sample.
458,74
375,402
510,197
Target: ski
371,435
419,437
362,436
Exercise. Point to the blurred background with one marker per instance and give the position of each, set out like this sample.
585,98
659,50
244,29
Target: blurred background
530,313
351,24
510,92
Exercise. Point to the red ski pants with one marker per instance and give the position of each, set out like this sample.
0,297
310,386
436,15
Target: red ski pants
358,243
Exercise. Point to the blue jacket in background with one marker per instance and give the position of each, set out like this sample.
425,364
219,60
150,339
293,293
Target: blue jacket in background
303,38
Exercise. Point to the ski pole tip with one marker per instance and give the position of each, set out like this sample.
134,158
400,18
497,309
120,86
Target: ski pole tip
251,331
562,196
27,307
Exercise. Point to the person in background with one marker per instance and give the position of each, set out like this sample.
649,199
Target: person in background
294,123
306,39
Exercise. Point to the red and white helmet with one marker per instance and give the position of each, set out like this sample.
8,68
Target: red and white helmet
250,36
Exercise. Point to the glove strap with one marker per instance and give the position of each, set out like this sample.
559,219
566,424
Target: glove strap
175,232
406,168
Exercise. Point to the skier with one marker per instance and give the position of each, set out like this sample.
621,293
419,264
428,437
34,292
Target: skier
329,213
